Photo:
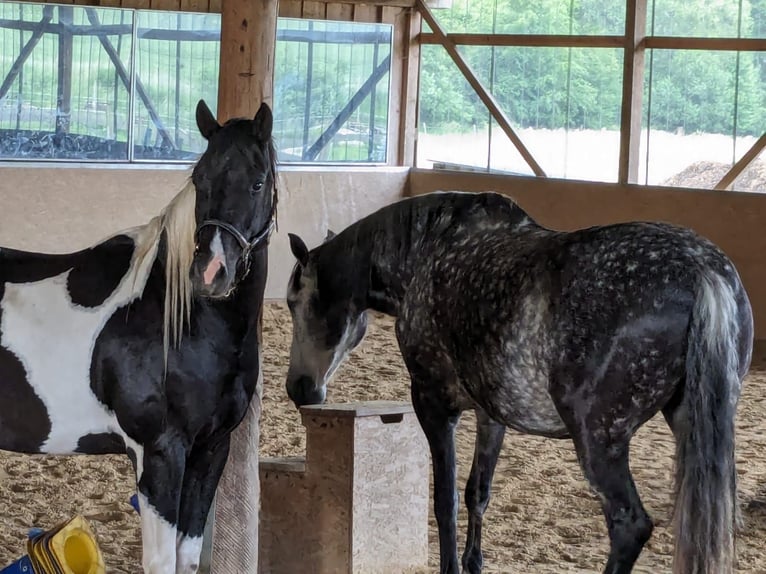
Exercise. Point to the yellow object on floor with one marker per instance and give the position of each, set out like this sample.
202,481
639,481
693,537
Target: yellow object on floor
69,548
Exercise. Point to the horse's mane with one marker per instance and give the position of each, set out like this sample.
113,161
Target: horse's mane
177,221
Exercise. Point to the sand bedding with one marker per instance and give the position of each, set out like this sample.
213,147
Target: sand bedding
542,517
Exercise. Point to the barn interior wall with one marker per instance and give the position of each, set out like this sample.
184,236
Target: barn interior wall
734,221
60,209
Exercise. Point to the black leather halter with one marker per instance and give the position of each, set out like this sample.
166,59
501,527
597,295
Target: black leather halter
257,243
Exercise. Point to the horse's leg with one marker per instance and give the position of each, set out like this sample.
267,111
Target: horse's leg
489,439
204,467
607,469
602,446
438,423
159,473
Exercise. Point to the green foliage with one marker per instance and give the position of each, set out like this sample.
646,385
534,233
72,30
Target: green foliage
175,74
578,88
581,87
315,83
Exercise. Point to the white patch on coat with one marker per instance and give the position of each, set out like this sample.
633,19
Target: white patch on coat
216,246
54,340
341,352
159,540
308,355
188,554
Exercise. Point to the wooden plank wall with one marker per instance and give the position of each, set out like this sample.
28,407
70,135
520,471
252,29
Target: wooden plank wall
313,9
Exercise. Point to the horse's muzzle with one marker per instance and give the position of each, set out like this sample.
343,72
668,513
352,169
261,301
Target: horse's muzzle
211,278
303,391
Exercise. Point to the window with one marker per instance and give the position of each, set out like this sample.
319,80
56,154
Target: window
101,84
562,101
64,93
555,69
331,91
703,109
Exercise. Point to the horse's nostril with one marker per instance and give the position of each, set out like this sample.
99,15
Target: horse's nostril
303,391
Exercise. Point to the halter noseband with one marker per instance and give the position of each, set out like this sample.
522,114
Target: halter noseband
248,247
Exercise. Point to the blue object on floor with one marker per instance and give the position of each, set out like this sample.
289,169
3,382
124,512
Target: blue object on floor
22,566
134,503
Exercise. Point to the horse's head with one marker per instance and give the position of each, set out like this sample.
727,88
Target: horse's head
327,325
235,198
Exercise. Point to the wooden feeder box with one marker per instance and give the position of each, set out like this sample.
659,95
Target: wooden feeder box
357,502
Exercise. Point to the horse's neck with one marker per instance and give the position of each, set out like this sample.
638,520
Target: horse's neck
392,261
248,297
401,238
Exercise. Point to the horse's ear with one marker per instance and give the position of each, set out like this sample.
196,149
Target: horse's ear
206,121
330,235
299,249
264,122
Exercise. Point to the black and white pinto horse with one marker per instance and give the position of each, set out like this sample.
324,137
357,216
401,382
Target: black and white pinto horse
584,334
148,343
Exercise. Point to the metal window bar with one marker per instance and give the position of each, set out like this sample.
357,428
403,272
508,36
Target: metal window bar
98,32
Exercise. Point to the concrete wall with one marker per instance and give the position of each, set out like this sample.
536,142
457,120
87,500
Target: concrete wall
734,221
64,208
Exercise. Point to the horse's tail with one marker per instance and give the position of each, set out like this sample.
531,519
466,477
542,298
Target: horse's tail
706,488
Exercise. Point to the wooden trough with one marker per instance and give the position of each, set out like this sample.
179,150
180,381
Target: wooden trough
356,503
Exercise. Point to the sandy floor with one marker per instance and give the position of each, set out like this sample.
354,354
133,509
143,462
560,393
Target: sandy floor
542,518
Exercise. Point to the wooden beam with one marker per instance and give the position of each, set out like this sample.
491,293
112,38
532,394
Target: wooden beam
245,80
366,13
422,180
214,6
313,10
396,18
391,3
712,44
290,9
486,97
64,95
135,4
632,91
340,12
742,164
408,116
248,38
528,40
173,5
195,5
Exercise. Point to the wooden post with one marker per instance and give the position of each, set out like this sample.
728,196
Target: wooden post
64,97
408,119
632,91
248,41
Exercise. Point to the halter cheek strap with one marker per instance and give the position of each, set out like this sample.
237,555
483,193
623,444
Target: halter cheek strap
248,247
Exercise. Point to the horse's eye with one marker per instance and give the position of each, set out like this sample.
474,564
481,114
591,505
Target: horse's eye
256,186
